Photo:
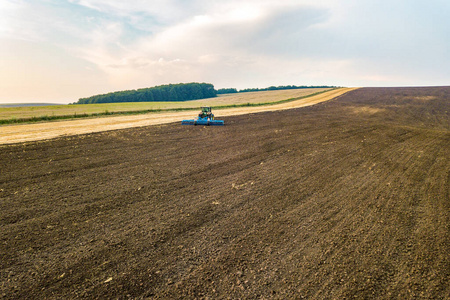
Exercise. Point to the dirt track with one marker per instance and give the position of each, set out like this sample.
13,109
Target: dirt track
344,199
41,131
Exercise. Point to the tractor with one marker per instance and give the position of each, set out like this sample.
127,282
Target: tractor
205,117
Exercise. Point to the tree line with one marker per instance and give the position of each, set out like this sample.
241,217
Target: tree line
168,92
178,92
271,88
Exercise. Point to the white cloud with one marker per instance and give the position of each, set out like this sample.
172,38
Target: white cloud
162,11
239,43
240,31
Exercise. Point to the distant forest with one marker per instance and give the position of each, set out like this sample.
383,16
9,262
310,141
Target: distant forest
177,92
271,88
169,92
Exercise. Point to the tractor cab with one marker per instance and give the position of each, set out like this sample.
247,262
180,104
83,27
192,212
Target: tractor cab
206,113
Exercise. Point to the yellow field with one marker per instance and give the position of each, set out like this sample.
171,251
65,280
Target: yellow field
228,99
46,130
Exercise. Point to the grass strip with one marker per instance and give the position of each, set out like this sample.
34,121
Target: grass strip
146,111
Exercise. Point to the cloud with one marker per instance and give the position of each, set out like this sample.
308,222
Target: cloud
235,43
142,13
242,31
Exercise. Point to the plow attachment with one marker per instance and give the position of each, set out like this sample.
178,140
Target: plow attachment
203,122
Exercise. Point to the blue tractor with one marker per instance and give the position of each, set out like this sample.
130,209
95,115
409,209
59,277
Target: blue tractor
205,117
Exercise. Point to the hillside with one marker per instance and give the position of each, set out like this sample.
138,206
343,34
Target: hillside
231,103
12,115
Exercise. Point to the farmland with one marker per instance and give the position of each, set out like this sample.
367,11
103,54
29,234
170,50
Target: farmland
11,113
348,198
46,130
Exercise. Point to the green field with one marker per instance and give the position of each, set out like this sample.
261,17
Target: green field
52,112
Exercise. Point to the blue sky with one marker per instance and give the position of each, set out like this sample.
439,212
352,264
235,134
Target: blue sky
62,50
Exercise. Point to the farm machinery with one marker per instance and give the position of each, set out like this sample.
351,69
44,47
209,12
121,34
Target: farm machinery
205,117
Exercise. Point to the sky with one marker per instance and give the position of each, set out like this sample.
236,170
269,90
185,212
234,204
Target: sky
62,50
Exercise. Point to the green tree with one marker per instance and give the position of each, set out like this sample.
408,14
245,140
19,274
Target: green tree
173,95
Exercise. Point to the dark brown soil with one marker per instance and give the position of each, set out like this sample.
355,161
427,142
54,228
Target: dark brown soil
344,199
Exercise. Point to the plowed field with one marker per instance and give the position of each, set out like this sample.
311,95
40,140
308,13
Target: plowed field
345,199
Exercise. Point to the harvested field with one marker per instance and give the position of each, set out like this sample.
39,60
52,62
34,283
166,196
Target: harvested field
344,199
8,113
40,131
